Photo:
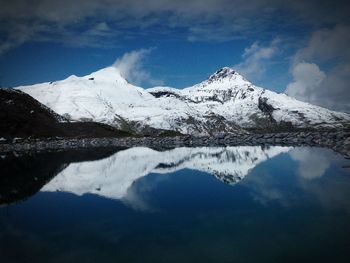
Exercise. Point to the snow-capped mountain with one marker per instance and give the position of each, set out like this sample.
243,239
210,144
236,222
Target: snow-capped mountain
225,102
107,177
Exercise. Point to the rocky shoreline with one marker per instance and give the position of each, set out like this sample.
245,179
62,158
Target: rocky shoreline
338,141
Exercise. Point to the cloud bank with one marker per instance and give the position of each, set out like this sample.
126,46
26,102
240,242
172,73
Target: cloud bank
109,22
307,81
321,69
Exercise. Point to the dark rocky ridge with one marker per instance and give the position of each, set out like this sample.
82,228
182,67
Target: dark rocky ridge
23,116
159,94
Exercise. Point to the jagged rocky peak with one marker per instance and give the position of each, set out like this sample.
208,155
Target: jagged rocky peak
222,73
226,74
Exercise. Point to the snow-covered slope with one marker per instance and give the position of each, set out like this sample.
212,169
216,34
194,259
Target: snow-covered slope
105,96
100,96
226,93
108,177
221,103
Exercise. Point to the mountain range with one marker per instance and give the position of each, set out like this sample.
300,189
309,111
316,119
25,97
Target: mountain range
224,103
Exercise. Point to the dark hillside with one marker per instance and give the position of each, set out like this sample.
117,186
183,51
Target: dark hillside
23,116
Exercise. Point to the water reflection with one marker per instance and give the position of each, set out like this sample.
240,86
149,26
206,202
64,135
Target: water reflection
230,204
113,176
112,173
23,176
314,174
313,163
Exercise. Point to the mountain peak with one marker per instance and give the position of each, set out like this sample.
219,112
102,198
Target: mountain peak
109,74
225,73
222,73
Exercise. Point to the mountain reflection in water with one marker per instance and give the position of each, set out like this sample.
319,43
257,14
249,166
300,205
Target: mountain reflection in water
112,176
111,172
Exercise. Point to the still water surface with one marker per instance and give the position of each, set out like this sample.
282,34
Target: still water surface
225,204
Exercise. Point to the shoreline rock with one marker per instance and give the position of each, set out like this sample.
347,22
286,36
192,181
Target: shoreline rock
339,141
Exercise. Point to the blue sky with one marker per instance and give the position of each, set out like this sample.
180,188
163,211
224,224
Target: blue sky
300,48
177,64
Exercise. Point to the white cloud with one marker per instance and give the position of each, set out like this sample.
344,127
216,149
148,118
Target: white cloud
131,67
326,44
256,59
307,80
327,48
311,165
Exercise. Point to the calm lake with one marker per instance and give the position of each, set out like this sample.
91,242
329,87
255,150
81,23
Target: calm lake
224,204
